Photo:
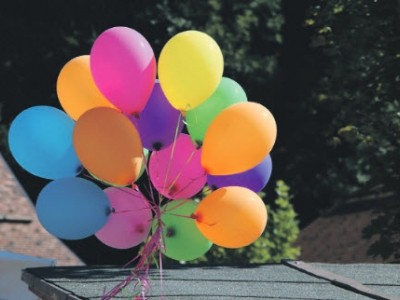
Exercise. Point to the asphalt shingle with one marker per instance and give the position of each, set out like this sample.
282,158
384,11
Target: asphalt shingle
260,282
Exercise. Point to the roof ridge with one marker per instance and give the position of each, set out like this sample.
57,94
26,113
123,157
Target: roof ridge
337,280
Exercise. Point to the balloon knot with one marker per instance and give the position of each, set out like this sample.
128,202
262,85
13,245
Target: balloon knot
199,143
157,146
170,232
110,210
206,170
139,228
196,216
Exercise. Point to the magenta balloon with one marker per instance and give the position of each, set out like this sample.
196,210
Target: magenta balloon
130,220
176,170
254,179
124,68
159,122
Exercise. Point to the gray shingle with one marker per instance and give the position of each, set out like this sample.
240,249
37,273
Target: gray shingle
260,282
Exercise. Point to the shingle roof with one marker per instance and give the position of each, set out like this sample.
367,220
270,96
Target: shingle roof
337,237
278,281
20,230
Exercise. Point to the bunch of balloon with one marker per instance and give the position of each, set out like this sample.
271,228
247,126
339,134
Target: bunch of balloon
189,128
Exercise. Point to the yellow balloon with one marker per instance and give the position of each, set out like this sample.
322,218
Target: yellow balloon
76,89
238,139
190,68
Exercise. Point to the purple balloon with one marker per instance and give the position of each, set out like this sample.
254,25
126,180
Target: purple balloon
159,122
254,179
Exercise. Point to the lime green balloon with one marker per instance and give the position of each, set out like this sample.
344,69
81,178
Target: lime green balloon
183,241
199,118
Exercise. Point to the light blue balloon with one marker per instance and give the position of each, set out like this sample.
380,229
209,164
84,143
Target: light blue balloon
72,208
40,140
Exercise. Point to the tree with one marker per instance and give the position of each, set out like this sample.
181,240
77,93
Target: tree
356,99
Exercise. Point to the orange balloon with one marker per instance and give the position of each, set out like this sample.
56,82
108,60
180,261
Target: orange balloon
76,89
238,139
231,217
108,145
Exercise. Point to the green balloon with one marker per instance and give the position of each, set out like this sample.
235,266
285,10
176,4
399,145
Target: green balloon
199,118
183,241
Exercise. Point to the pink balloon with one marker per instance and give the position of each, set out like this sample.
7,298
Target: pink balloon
176,170
124,68
129,222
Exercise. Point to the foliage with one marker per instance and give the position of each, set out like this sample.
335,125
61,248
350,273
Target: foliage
357,96
250,58
275,244
385,226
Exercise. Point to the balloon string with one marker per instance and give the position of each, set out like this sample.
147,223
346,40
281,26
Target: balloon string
141,271
196,120
161,274
150,191
172,150
189,184
181,170
128,210
175,206
118,288
179,174
193,217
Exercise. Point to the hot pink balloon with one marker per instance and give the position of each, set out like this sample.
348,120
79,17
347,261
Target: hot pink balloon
124,68
176,170
130,220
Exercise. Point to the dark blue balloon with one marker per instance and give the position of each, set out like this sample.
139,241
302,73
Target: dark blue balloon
159,122
254,179
72,208
40,140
